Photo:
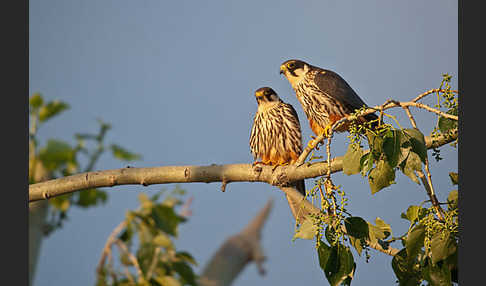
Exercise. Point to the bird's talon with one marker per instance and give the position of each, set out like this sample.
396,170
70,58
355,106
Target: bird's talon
279,164
257,163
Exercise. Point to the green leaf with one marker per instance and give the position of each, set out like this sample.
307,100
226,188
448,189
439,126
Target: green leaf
437,275
452,199
51,109
451,262
127,233
381,176
392,146
163,241
123,154
125,259
171,202
307,229
185,272
145,229
356,227
454,178
356,243
383,226
375,142
61,203
407,273
405,146
415,240
337,262
414,213
441,247
346,268
91,197
379,232
446,124
185,256
145,202
167,281
410,165
144,255
326,255
417,141
56,154
36,100
330,235
366,163
166,219
351,160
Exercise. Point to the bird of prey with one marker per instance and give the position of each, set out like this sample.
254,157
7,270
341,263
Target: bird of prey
275,138
324,95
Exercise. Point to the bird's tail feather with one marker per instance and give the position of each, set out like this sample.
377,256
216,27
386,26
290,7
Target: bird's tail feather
300,186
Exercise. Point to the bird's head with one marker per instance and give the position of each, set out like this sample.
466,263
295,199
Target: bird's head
266,95
294,70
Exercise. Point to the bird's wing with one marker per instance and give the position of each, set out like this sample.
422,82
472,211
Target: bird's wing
335,86
294,113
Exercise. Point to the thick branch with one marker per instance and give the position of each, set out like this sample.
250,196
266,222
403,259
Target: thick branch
193,174
236,252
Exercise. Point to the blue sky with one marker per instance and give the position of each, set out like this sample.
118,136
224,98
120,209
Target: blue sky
176,80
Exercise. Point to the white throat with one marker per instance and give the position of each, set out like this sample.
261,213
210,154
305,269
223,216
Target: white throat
300,75
265,106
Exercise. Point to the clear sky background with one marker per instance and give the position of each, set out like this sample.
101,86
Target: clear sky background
176,80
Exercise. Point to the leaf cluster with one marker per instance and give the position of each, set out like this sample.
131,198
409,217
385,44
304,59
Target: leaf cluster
390,149
152,229
447,101
335,257
429,253
430,246
59,158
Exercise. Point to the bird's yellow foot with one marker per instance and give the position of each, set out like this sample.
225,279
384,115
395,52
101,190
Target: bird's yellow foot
279,164
327,130
312,143
257,163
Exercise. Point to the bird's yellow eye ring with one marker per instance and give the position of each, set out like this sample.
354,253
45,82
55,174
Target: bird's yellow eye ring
290,65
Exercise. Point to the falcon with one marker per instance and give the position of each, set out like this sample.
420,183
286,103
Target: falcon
324,95
275,138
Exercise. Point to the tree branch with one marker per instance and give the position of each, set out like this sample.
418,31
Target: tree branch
281,176
107,248
236,252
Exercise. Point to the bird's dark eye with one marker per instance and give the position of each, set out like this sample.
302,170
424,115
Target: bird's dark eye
291,65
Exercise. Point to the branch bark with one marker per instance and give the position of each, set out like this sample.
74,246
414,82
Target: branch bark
281,176
236,252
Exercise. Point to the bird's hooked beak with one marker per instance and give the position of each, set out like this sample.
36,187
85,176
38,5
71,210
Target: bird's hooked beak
259,96
283,69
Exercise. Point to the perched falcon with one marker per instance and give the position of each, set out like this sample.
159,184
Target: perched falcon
275,137
325,96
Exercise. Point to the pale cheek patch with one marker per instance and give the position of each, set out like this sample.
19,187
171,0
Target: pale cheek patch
295,80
